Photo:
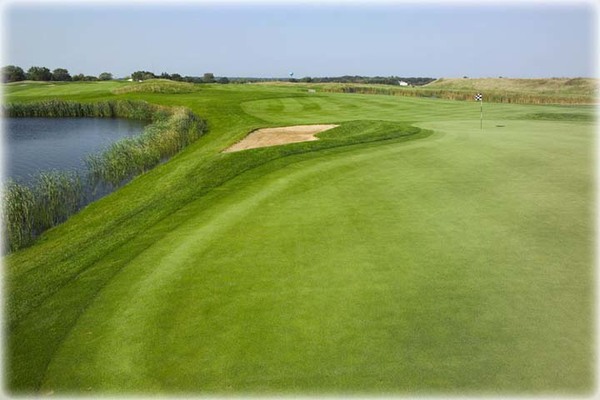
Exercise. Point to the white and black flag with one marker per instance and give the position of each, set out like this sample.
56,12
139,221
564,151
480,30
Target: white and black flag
479,97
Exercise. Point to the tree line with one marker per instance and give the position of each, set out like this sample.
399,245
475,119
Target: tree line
208,77
13,73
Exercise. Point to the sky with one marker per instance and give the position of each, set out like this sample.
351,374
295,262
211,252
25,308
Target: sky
442,39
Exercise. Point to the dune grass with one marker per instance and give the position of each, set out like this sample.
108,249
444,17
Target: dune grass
406,252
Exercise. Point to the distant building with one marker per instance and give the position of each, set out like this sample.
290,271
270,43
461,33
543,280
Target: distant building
402,83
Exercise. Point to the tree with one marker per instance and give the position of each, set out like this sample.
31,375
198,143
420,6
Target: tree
176,77
78,77
12,73
39,74
208,77
142,75
105,76
224,80
61,75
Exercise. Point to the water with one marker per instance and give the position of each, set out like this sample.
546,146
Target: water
36,144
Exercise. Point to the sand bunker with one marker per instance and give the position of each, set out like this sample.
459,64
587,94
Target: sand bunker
275,136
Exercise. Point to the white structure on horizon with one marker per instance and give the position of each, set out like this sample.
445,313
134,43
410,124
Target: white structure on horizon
402,83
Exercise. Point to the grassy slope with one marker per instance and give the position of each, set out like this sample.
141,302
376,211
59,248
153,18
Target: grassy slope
550,86
460,261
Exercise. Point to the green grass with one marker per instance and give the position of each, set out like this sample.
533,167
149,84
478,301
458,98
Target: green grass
382,259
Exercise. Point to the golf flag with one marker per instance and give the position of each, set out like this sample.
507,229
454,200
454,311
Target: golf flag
479,97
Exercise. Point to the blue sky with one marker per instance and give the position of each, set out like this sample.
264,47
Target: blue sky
269,40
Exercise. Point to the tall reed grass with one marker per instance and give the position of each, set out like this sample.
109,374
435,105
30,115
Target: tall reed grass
28,211
159,141
131,109
54,195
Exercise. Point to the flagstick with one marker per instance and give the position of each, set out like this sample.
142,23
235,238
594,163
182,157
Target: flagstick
481,116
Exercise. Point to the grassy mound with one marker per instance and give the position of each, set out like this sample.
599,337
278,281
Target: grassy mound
549,86
157,86
535,91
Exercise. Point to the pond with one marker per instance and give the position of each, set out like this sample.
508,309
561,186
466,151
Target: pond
36,144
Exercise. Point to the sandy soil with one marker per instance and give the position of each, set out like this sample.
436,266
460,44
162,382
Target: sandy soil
275,136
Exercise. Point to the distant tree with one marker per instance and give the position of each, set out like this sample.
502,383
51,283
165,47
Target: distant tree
165,75
224,80
192,79
105,76
465,77
208,77
307,79
78,77
61,75
12,73
176,77
142,75
39,74
90,78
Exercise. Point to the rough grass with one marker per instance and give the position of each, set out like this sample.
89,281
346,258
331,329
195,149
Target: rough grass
550,86
157,86
460,262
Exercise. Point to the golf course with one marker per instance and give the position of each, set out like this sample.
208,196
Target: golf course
411,249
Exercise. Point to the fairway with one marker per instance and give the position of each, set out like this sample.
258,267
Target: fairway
376,260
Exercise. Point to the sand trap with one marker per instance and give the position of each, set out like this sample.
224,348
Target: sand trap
275,136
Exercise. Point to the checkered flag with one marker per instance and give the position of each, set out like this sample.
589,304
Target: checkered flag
478,97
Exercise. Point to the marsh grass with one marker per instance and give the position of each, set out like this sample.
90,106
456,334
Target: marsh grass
159,141
56,195
139,110
18,208
28,211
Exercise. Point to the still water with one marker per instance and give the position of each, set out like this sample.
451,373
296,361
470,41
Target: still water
36,144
